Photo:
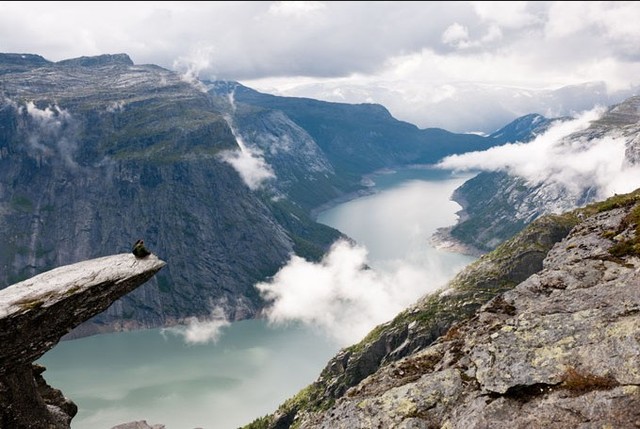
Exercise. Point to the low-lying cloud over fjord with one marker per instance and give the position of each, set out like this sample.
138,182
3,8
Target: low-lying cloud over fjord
554,157
201,331
341,295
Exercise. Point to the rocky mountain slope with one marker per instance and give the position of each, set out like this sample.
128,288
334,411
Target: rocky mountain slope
496,205
358,139
36,313
541,332
524,128
97,152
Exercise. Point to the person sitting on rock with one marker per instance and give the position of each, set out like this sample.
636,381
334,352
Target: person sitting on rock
139,250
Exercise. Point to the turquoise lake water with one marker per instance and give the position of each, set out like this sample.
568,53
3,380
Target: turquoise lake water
154,375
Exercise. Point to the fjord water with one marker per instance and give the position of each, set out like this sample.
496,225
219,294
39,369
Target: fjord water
155,376
396,223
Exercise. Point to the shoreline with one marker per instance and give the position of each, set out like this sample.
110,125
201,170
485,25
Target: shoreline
345,198
443,240
368,188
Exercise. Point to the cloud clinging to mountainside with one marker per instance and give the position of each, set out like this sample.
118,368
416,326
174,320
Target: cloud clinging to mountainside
342,296
575,163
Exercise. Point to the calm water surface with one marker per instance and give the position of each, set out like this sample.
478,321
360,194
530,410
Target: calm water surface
397,222
153,375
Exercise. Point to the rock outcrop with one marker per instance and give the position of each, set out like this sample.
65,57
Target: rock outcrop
36,313
559,350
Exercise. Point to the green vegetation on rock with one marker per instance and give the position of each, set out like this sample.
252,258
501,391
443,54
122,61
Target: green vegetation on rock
420,325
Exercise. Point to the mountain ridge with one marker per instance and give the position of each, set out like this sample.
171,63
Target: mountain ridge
97,152
360,149
91,158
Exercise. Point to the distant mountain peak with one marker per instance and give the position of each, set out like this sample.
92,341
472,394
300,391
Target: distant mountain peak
10,62
21,59
523,128
98,60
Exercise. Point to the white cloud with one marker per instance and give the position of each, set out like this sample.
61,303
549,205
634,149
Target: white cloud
507,14
296,9
494,33
577,164
251,166
53,133
248,161
201,331
613,20
455,34
191,65
50,116
341,295
409,48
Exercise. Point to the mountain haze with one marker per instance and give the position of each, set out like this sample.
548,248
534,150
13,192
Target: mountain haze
218,179
358,139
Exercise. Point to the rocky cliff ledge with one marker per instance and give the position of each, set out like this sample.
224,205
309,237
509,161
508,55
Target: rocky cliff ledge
558,350
36,313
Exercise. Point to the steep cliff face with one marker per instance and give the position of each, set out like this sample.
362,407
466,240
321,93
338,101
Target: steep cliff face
496,205
96,153
36,313
304,177
557,350
358,139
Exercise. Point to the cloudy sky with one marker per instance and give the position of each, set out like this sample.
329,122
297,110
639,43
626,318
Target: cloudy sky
463,66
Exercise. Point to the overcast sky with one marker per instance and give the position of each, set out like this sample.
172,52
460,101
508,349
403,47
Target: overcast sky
463,66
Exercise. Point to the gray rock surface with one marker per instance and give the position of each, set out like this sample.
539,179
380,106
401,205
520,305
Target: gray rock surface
421,324
36,313
560,350
96,152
